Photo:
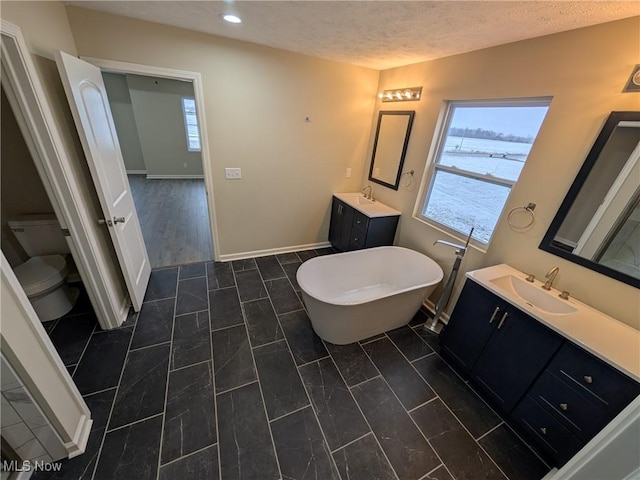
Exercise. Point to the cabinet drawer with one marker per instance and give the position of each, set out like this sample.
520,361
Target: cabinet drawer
360,221
358,238
581,369
583,415
559,442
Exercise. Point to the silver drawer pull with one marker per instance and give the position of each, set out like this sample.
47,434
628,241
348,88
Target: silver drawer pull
564,406
504,317
543,430
356,239
588,378
495,312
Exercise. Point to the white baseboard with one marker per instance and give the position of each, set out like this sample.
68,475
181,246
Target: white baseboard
136,172
272,251
173,177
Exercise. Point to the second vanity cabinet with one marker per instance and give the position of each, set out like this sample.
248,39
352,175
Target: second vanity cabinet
558,394
351,229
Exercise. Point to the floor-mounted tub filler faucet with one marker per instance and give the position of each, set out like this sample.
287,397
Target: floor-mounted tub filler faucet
434,325
370,195
550,276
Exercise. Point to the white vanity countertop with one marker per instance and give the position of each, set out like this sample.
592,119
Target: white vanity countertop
610,340
369,208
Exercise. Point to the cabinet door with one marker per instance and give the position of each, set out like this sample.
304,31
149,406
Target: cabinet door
340,226
513,357
471,323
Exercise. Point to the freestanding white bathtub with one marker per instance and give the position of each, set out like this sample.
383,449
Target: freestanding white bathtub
354,295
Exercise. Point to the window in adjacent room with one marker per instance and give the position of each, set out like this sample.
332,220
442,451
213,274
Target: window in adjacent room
481,150
191,124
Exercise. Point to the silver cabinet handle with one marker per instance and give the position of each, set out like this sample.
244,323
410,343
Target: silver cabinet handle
588,378
504,317
339,209
543,430
564,406
118,220
495,312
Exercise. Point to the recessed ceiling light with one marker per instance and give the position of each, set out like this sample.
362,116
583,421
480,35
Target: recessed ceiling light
231,18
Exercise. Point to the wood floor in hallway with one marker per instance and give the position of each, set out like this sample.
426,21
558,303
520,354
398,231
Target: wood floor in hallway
174,218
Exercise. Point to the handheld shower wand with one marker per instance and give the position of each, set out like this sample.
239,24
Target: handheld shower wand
434,325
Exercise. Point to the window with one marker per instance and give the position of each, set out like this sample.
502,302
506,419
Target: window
480,153
191,124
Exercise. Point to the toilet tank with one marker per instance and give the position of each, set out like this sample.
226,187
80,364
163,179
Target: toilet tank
39,234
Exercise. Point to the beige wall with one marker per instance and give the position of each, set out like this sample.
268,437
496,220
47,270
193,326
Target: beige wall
157,108
256,101
584,71
124,120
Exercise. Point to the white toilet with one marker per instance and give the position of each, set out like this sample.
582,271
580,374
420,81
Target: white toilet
44,276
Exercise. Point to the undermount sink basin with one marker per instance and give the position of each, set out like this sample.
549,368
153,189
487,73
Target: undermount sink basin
533,295
363,201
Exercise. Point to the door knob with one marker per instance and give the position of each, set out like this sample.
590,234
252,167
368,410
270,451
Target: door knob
102,221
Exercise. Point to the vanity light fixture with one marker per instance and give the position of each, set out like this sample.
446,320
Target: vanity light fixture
230,17
401,94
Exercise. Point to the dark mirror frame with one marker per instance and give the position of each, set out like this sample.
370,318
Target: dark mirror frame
410,114
547,243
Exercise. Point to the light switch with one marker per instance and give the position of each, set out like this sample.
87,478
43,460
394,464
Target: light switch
232,173
348,174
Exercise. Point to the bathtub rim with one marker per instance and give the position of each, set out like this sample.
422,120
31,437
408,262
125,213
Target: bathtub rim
305,288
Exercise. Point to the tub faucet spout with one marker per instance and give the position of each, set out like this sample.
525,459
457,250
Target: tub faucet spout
550,276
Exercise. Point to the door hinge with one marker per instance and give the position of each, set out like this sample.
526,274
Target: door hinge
65,232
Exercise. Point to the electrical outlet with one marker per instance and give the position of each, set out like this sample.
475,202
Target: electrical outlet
348,174
184,164
232,173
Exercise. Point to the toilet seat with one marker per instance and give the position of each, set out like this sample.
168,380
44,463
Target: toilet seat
39,274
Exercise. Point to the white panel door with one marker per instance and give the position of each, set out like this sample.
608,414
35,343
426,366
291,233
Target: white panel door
89,104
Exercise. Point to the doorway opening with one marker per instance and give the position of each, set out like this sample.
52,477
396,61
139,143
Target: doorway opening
158,128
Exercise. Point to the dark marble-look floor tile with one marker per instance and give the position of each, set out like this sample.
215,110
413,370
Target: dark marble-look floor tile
71,335
191,340
372,338
83,303
461,400
102,361
409,343
363,460
48,326
242,265
512,455
190,417
405,382
232,360
283,296
440,473
246,449
100,407
162,284
250,285
143,386
225,308
306,255
353,363
262,322
202,465
285,258
432,338
71,369
220,275
458,450
281,385
302,452
419,318
131,452
337,412
269,267
326,251
192,271
192,296
132,318
77,468
405,447
305,345
154,323
291,269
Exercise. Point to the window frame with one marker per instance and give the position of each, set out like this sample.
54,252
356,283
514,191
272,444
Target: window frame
186,124
435,152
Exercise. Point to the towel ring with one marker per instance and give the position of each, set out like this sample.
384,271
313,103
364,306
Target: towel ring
407,182
528,209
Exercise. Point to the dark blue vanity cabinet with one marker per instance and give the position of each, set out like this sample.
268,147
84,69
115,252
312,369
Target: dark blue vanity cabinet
558,394
353,230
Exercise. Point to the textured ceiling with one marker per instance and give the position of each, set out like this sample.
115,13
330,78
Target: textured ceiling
376,34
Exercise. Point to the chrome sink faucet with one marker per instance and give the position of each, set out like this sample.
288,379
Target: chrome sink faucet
550,276
370,195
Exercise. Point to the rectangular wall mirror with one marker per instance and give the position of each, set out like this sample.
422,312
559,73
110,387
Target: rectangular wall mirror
598,223
390,147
